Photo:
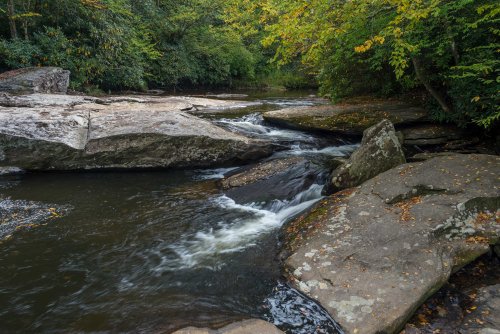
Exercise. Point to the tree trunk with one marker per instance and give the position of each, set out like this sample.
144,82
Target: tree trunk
25,29
12,22
425,81
453,43
25,21
454,51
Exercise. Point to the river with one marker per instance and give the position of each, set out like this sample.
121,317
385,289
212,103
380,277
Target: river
154,251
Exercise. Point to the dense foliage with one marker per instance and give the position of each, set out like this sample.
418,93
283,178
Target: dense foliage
447,47
117,44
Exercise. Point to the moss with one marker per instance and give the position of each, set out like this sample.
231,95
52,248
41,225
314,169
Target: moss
348,121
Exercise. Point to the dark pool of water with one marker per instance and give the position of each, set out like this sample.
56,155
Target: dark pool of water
108,264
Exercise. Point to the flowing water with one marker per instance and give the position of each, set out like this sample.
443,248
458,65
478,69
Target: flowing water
158,250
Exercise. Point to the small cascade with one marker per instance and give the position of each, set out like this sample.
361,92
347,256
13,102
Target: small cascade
253,125
205,247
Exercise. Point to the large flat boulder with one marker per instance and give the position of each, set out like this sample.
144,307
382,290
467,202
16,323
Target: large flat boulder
54,132
379,151
35,80
372,255
348,119
45,138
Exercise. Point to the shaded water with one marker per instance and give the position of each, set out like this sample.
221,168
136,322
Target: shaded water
151,251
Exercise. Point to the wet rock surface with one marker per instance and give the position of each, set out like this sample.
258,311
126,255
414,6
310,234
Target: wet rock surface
18,215
468,303
10,170
349,119
275,179
35,80
54,132
431,134
262,171
242,327
380,150
372,255
293,312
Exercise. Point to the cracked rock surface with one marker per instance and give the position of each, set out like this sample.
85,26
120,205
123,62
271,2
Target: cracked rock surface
372,255
60,132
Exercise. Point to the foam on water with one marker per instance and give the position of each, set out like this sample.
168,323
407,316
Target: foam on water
212,174
202,248
338,151
253,125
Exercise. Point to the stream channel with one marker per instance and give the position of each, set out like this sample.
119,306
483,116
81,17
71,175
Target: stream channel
155,251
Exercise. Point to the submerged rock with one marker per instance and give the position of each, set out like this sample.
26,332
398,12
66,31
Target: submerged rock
347,119
10,170
61,133
18,215
380,150
372,255
35,80
468,303
243,327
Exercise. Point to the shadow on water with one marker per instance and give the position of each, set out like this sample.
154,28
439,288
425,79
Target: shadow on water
149,251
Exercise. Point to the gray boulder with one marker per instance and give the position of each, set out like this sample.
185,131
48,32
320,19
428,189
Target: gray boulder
243,327
35,80
380,150
88,133
372,255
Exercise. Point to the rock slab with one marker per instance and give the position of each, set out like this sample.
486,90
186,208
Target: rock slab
35,80
350,119
372,255
380,150
56,132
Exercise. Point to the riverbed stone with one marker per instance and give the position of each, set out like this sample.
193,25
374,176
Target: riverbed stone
380,150
35,80
252,326
372,255
259,172
347,119
276,179
51,132
431,134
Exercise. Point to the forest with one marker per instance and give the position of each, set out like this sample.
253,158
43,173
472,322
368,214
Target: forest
445,50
